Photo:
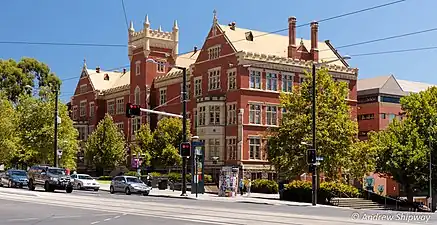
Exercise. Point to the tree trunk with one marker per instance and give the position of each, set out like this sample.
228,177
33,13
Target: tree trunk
99,171
410,193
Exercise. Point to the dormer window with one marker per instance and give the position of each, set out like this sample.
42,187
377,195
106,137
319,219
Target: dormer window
106,76
160,66
214,52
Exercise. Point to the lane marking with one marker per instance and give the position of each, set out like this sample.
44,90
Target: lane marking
116,217
107,219
23,219
95,222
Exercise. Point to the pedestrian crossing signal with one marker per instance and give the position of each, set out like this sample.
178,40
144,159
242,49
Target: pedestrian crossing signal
132,110
311,156
185,149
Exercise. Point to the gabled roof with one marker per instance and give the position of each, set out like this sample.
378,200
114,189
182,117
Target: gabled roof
116,79
372,83
272,44
413,87
389,85
184,60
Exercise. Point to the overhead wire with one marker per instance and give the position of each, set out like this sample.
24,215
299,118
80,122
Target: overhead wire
125,16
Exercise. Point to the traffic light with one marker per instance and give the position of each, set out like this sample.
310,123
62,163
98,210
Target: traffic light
185,149
311,156
132,110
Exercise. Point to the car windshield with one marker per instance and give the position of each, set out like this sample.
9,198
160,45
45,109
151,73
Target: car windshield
57,171
133,180
84,177
17,173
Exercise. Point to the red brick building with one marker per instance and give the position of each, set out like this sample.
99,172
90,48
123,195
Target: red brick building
234,82
378,104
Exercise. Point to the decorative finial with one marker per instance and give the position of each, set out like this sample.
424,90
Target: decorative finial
84,62
131,26
301,41
175,25
215,16
146,20
160,29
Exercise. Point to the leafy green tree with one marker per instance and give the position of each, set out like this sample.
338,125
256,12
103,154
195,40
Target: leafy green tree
16,77
336,131
35,123
8,131
106,146
144,144
362,159
402,153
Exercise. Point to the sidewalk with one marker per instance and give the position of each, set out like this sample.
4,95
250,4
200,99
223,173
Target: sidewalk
254,198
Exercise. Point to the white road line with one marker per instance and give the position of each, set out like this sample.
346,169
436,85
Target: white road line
107,219
23,219
95,222
116,217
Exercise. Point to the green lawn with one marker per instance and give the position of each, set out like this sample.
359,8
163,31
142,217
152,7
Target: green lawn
104,181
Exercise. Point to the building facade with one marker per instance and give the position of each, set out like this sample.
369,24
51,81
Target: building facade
234,82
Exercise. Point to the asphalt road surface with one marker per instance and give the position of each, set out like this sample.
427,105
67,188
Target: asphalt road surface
19,207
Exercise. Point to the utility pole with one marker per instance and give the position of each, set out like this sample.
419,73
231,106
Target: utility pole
55,142
314,175
430,170
184,128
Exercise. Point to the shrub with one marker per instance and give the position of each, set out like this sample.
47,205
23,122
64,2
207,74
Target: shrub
131,173
264,186
208,178
155,174
300,191
104,178
175,177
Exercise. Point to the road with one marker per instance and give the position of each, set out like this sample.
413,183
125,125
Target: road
26,207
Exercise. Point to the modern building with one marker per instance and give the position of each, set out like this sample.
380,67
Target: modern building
234,82
379,104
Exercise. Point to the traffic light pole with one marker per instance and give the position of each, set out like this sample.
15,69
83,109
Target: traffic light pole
184,129
55,141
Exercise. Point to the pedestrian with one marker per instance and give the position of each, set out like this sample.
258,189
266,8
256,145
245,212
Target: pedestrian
249,185
241,186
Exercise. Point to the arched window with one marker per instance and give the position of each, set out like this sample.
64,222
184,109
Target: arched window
137,95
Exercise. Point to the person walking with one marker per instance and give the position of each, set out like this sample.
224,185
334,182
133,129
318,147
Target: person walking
241,186
249,185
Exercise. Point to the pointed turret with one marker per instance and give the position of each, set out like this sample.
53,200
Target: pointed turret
175,25
146,21
160,29
131,27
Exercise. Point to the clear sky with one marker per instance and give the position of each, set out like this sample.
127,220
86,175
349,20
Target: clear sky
103,22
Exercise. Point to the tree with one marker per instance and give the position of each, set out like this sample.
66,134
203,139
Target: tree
35,128
336,131
106,146
16,77
402,153
144,144
8,127
362,159
163,144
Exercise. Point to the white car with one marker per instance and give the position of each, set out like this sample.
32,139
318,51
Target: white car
84,182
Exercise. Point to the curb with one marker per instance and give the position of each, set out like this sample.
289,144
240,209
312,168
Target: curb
163,196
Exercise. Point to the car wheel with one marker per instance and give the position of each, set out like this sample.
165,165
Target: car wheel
146,193
69,189
96,189
127,191
30,185
79,187
46,186
9,184
111,190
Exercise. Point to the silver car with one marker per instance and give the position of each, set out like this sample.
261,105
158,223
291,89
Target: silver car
128,185
84,182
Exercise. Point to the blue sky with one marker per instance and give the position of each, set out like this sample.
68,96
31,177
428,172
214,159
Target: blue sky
102,21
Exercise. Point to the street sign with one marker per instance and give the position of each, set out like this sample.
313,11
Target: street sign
59,152
319,158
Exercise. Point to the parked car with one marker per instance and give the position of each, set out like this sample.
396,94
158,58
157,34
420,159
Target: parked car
51,178
13,178
84,182
128,185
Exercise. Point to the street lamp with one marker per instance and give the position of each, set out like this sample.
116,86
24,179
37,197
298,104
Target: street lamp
184,119
314,166
57,121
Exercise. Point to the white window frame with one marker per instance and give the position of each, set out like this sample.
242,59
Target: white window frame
137,95
83,88
254,147
162,96
119,106
231,109
272,80
214,79
255,114
137,68
82,108
90,129
91,109
231,148
135,125
75,112
198,86
232,79
214,114
272,115
202,115
110,107
255,79
120,126
214,52
160,66
286,78
195,118
214,145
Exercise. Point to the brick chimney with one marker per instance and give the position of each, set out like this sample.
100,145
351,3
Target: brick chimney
314,40
292,37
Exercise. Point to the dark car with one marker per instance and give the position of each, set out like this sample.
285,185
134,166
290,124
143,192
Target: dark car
14,178
51,178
